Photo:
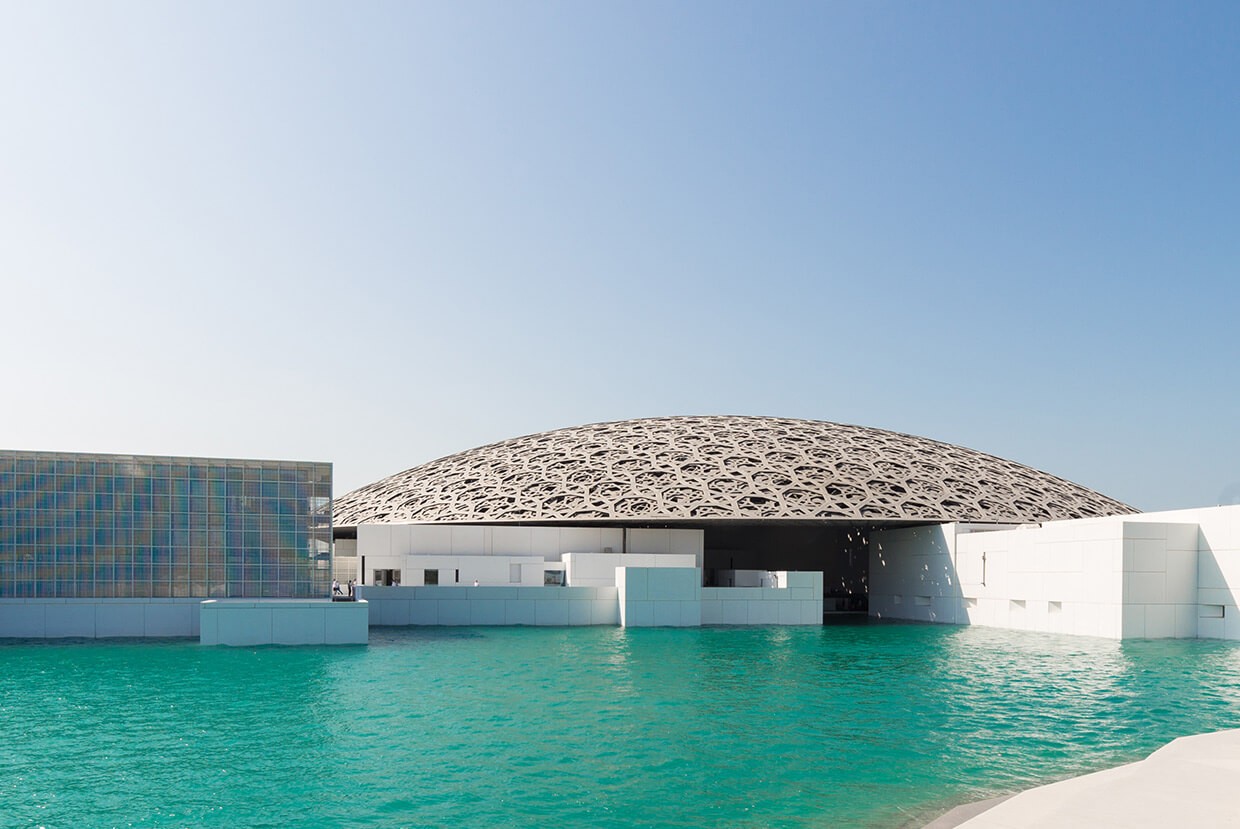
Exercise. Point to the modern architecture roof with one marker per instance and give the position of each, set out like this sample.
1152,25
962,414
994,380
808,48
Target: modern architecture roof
720,468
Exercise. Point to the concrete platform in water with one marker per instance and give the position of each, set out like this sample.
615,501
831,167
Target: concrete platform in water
1191,781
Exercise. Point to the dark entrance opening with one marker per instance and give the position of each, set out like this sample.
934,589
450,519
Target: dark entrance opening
841,552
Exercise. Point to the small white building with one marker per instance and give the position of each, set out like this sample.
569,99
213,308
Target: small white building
460,574
1147,575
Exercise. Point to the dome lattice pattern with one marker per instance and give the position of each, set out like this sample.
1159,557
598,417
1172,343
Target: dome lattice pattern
712,468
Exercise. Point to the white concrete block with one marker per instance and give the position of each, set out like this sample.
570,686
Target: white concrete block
71,619
486,611
1216,596
1185,621
469,540
734,612
688,542
1145,588
763,613
208,628
665,613
710,611
582,540
240,626
400,539
1210,571
671,583
1145,529
169,619
545,542
650,541
428,539
454,612
1160,621
346,624
635,583
1183,536
1133,626
639,614
516,541
579,612
299,626
1181,582
374,540
1145,555
129,619
690,614
424,612
604,612
550,612
519,612
1211,629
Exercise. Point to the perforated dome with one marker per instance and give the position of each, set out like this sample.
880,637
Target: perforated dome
715,468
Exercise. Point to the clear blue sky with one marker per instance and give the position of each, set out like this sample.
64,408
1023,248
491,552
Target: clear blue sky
378,233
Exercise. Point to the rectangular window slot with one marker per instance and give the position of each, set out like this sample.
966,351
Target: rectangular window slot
921,601
1054,607
1017,604
970,603
430,577
897,599
1210,611
514,573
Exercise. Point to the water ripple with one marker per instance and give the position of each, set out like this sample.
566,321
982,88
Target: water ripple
876,725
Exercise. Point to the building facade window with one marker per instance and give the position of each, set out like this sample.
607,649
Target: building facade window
110,526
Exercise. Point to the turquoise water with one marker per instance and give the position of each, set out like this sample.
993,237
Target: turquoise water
874,725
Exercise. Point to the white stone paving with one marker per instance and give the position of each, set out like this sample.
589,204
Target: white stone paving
1191,782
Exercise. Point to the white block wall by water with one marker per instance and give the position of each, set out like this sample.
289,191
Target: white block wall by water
797,601
1218,565
659,596
468,605
248,622
99,618
1156,575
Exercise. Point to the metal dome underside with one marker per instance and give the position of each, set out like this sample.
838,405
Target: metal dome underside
719,468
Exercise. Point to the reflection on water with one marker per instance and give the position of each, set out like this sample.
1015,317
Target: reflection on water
859,724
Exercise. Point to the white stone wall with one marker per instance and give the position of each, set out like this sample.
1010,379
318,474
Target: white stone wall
400,606
659,596
797,601
599,569
1156,575
913,574
488,570
405,546
1218,565
246,622
99,618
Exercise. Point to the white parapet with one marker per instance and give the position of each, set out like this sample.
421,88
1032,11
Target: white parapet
491,605
788,598
98,618
283,622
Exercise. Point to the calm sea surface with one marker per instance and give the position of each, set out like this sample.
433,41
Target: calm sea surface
873,725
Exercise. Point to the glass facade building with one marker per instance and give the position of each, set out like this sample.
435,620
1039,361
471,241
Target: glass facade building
121,526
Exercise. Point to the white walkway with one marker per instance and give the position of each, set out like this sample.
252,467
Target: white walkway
1190,782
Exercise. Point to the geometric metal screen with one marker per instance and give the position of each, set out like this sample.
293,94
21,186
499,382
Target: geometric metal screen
117,526
721,468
